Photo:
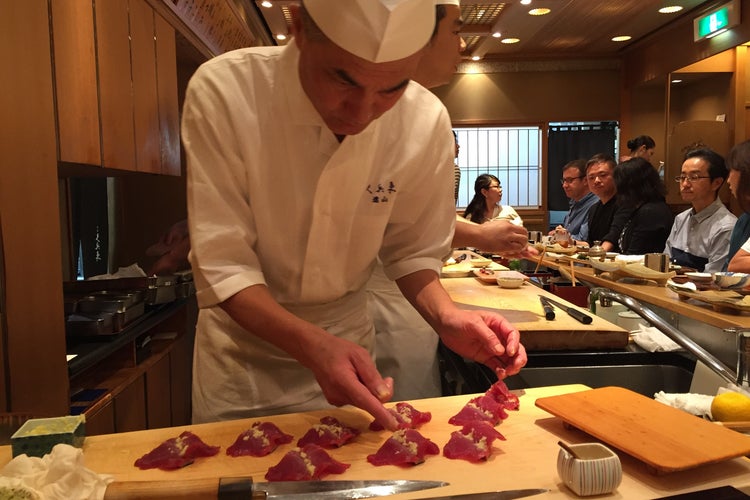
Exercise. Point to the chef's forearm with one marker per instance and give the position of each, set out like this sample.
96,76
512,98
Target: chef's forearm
467,233
424,291
257,311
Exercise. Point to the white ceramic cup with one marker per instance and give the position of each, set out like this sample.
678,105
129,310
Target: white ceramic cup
630,321
598,471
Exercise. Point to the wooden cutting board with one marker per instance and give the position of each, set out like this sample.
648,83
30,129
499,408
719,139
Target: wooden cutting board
666,438
521,307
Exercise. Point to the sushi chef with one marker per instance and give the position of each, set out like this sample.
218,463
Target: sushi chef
306,163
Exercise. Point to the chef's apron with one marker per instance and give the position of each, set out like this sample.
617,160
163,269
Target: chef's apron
405,344
243,376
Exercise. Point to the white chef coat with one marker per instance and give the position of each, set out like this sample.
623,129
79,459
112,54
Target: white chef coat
405,344
275,199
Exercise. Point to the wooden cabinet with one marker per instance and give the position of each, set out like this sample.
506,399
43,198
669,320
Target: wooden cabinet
116,85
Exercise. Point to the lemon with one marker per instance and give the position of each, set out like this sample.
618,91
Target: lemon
730,407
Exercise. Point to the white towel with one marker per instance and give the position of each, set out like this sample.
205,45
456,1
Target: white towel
695,404
58,475
652,340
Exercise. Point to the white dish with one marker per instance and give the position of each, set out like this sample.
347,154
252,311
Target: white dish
509,282
730,280
699,277
456,273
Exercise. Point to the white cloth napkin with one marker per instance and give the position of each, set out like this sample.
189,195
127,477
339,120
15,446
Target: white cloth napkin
652,340
59,475
695,404
131,271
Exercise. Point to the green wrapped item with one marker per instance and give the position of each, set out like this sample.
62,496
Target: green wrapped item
38,436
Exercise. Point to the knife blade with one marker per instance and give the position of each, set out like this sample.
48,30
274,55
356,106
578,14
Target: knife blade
314,490
494,495
244,488
574,313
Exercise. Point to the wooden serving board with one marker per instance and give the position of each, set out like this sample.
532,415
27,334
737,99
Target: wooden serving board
521,307
720,300
665,438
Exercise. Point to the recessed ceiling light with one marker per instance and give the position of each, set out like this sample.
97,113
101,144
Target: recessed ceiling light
266,4
525,2
510,40
497,34
475,58
539,12
621,38
280,36
671,9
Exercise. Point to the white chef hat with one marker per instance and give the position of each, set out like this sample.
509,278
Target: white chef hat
376,30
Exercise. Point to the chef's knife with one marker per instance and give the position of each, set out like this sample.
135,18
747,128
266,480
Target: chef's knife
549,312
494,495
574,313
244,488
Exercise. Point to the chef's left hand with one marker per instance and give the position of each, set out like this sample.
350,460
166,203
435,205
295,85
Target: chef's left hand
486,338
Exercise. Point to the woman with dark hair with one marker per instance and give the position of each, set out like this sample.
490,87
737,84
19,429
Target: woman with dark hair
738,161
640,189
641,147
485,205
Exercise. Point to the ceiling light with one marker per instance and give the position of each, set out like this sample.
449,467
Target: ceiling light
539,12
280,36
497,34
480,12
510,40
525,2
266,4
475,58
621,38
676,81
670,9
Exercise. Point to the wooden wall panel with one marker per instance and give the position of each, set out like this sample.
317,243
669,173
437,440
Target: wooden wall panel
169,113
158,405
130,407
75,81
34,357
115,85
145,103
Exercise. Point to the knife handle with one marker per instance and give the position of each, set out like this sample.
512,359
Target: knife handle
549,312
187,489
583,318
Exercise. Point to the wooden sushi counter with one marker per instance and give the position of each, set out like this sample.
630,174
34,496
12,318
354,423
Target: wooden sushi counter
527,459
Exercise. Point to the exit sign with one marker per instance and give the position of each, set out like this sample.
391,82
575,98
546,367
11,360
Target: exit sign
716,21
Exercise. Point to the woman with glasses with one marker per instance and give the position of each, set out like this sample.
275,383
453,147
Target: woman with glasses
485,205
640,189
738,161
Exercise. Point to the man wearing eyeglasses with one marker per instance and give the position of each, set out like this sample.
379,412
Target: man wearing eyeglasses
700,235
580,197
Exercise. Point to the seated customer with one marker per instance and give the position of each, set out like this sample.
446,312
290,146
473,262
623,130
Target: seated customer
700,235
581,199
640,189
606,217
485,205
738,161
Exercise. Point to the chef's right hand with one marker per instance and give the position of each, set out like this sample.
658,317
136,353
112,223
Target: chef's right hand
347,375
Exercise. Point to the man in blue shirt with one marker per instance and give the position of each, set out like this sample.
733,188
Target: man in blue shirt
576,188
